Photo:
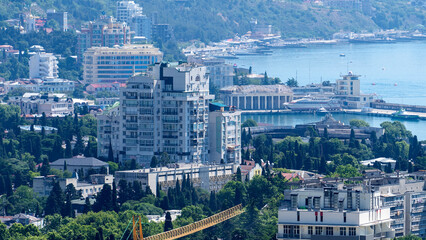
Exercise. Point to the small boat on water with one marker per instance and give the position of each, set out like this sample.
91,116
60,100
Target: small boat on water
402,114
342,55
322,111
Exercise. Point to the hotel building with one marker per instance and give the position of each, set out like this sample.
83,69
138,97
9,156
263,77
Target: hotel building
119,63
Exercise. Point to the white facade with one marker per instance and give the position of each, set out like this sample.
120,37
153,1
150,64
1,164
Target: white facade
208,177
329,213
109,131
257,97
43,65
166,110
117,64
51,104
48,85
225,136
349,91
127,9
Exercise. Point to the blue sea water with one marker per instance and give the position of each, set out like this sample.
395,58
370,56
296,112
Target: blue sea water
397,70
386,65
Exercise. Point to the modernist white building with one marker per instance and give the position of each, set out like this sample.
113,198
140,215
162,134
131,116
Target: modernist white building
224,134
220,74
331,213
208,177
166,110
349,91
117,64
257,97
131,13
43,65
127,9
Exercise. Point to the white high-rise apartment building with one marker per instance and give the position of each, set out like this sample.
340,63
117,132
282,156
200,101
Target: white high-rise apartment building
126,10
224,134
166,110
330,213
43,65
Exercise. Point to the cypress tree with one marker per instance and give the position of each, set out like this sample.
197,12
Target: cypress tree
213,201
110,152
45,168
65,165
43,121
238,175
87,206
165,203
104,200
122,193
55,201
325,133
2,185
148,190
114,197
68,150
67,207
168,225
43,132
238,195
79,145
8,185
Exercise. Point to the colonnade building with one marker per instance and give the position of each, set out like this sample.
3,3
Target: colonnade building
257,97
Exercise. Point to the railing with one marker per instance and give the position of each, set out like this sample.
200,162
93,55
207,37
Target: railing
198,226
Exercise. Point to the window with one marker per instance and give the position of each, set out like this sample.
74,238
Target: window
316,216
352,231
296,231
329,231
344,217
342,231
298,216
286,230
322,217
318,230
310,230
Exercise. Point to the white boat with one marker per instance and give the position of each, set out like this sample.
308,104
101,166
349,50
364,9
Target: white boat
314,104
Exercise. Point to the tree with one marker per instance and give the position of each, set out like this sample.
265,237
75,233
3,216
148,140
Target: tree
110,152
87,206
114,197
165,159
68,150
45,167
358,123
55,201
325,133
154,162
291,82
213,201
239,234
168,224
79,145
104,200
249,123
238,175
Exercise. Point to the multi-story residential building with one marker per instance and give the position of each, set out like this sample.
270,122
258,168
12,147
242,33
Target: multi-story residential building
224,134
112,88
332,213
141,26
106,32
52,104
86,164
109,131
348,90
43,65
162,32
208,177
60,17
220,74
117,64
126,10
166,110
257,97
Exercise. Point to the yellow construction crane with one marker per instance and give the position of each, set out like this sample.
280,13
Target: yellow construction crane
188,229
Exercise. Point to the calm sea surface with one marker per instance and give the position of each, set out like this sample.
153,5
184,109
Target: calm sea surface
386,65
291,119
403,64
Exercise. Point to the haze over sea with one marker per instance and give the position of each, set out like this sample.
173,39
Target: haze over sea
403,64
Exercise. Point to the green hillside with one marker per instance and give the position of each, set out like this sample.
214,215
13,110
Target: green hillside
212,20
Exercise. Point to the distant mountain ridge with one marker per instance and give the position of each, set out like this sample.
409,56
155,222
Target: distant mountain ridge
213,20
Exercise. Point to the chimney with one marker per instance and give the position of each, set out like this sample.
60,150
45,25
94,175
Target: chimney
335,200
358,200
349,197
293,201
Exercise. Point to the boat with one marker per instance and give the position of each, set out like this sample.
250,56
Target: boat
373,84
322,111
402,114
372,40
342,55
309,104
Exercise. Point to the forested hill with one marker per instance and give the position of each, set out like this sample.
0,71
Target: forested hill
219,19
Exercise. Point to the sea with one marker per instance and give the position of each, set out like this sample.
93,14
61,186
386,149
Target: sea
393,72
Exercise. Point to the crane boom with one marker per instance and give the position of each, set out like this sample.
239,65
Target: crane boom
199,225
